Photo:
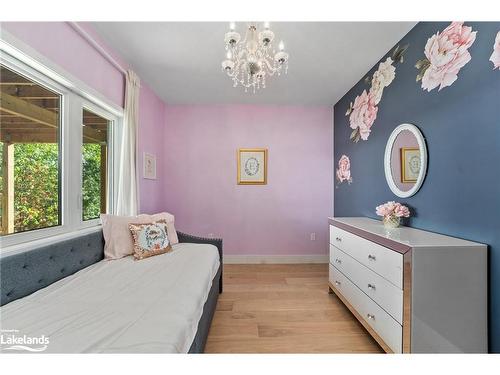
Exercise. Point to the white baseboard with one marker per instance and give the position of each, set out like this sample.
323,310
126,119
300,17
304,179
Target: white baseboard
274,259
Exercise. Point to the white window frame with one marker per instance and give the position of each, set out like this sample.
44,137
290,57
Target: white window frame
111,162
75,95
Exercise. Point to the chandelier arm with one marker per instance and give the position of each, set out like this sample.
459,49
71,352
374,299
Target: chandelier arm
268,64
242,54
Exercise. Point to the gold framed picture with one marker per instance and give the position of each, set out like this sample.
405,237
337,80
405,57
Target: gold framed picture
410,164
252,166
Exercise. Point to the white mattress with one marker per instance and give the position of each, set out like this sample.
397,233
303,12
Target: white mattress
121,306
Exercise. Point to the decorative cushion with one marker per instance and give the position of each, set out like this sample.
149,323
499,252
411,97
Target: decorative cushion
169,218
117,236
150,239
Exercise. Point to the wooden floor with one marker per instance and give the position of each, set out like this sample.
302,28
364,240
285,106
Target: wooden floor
283,308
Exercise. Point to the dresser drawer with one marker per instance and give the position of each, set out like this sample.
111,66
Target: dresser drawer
386,294
381,322
385,262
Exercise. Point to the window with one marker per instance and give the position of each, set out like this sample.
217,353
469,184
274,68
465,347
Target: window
57,151
30,154
94,159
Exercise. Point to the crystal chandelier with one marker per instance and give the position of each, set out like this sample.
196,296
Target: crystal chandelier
249,61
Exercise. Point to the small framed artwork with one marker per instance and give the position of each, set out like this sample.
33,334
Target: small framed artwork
410,164
149,166
252,166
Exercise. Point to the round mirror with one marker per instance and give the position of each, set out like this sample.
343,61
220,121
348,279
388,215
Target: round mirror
405,160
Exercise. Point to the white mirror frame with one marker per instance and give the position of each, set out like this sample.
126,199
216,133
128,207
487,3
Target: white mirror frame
423,160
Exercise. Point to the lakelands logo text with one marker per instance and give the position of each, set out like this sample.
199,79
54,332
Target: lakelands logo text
12,340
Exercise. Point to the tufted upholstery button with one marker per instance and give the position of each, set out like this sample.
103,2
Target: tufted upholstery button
33,270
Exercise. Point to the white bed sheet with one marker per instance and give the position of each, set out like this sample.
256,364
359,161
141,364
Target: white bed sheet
121,306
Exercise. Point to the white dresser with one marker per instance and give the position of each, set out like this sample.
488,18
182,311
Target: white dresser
414,291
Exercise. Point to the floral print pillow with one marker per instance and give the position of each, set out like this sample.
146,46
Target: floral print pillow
150,239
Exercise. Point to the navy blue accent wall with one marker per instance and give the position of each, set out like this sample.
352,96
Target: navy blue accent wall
461,124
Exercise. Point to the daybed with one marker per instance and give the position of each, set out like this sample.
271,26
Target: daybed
84,304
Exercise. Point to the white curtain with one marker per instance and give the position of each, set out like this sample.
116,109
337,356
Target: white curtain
127,180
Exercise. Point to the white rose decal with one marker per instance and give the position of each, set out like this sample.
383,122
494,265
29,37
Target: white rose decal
363,112
495,56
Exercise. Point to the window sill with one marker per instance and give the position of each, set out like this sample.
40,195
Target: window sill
29,245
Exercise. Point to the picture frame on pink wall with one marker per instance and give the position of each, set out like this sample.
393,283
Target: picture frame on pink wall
252,166
149,166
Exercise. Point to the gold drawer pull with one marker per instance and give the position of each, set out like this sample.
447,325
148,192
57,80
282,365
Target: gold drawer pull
371,257
338,239
337,283
371,286
370,316
337,260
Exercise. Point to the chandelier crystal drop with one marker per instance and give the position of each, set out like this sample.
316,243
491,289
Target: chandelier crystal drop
249,61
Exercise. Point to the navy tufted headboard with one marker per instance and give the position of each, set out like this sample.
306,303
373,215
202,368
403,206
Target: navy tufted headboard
24,273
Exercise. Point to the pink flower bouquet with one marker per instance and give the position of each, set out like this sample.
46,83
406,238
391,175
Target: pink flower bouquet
392,212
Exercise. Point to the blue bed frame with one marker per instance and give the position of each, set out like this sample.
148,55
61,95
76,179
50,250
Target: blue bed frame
26,272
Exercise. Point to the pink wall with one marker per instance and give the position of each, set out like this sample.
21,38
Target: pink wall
196,147
150,140
65,47
61,44
200,165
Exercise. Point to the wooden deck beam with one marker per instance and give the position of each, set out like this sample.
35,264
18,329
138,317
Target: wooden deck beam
31,92
35,138
28,111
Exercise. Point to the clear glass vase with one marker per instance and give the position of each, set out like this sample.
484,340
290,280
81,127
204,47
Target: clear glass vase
391,221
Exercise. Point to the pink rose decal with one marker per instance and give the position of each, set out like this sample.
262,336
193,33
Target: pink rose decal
364,113
344,170
445,54
495,56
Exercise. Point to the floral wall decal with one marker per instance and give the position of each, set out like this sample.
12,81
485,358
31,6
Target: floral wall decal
445,54
343,172
495,56
382,78
363,115
363,112
445,117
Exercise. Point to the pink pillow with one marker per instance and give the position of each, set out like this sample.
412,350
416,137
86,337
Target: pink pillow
118,242
169,218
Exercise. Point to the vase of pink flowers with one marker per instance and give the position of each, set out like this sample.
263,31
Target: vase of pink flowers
392,213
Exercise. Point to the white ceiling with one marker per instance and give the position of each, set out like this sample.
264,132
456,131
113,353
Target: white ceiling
181,61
